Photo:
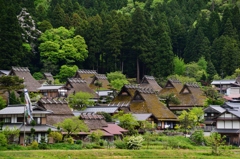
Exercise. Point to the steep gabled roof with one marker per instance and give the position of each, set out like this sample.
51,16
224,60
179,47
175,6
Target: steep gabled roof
149,81
191,95
49,77
79,85
102,79
126,93
59,107
172,86
24,73
93,121
146,101
87,75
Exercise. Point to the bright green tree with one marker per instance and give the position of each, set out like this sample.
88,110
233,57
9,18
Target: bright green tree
127,121
3,103
66,72
216,140
60,46
80,100
117,80
179,65
11,134
72,126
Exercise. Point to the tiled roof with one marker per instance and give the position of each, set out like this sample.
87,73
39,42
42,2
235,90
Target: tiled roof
19,109
223,82
114,129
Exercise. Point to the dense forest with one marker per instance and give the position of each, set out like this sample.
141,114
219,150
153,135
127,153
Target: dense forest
137,37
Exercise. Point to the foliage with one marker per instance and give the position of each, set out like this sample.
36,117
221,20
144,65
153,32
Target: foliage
80,100
182,79
169,99
198,137
213,97
127,121
117,80
135,142
3,103
120,144
57,136
216,140
176,142
69,140
11,83
11,133
179,66
59,46
3,140
38,75
66,72
72,125
96,136
13,99
34,144
107,116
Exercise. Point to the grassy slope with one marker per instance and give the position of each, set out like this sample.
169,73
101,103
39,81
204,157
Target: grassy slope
114,153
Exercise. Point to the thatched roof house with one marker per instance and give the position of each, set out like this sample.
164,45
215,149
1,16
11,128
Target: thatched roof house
101,78
97,122
24,73
145,100
49,77
126,93
150,82
59,107
190,96
79,85
87,75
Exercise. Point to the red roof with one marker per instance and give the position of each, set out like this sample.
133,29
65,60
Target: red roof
114,129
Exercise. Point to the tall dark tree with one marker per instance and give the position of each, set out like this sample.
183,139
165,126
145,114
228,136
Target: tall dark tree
57,17
10,38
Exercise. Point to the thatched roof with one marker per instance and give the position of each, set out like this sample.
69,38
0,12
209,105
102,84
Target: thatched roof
126,93
49,77
102,79
146,101
59,107
24,73
93,121
192,95
149,81
79,85
87,75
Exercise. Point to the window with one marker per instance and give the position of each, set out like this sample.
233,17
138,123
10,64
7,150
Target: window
7,120
37,120
20,119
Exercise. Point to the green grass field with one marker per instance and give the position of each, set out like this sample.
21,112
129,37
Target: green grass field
116,153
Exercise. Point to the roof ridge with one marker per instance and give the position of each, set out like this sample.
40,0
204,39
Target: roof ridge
87,71
76,80
20,69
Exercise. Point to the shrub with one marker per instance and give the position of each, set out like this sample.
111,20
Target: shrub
69,140
34,144
198,137
92,146
79,142
57,136
43,146
120,144
3,140
135,142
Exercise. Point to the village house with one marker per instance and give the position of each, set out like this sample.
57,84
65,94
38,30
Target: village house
75,85
13,118
30,83
86,75
58,106
53,91
150,82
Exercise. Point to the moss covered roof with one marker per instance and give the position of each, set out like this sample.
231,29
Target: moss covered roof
148,102
102,79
